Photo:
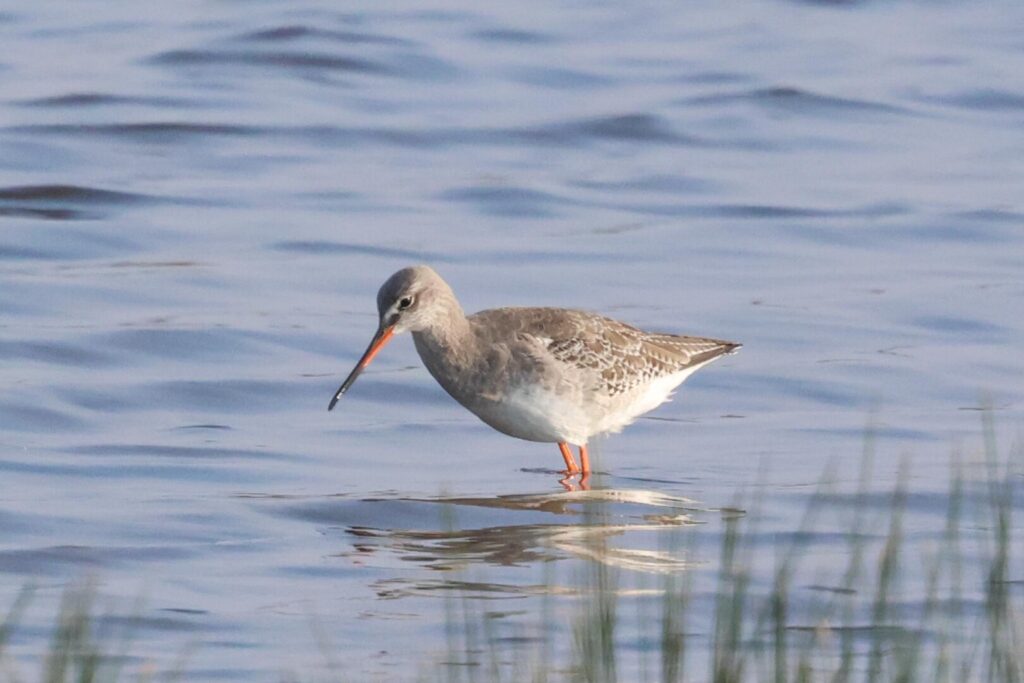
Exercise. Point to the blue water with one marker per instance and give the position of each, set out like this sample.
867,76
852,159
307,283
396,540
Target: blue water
198,202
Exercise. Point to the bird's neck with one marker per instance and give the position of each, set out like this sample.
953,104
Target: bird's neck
449,343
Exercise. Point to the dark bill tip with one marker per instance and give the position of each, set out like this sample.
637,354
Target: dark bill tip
382,337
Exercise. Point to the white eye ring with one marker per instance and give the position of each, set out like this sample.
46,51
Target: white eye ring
405,303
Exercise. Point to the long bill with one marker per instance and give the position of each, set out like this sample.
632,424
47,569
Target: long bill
382,337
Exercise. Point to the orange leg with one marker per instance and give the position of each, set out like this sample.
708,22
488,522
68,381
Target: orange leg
570,462
585,459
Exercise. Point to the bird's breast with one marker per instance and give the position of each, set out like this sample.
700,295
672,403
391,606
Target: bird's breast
510,392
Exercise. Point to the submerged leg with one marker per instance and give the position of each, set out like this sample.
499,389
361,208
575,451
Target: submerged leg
585,459
570,462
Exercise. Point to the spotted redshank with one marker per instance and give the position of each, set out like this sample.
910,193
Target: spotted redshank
540,374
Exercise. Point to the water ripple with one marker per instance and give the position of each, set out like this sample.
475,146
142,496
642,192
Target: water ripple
559,77
60,203
973,328
656,184
798,100
506,201
224,395
183,452
298,32
100,99
55,560
512,36
198,344
329,248
167,132
254,58
21,417
982,99
55,353
636,127
69,193
639,128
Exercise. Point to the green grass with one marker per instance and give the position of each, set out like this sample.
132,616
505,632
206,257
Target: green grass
83,648
760,623
858,630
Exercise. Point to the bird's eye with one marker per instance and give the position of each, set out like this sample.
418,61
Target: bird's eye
405,303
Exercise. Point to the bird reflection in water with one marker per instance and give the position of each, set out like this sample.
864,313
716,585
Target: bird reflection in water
598,515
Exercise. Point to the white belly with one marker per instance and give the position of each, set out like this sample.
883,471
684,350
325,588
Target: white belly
531,413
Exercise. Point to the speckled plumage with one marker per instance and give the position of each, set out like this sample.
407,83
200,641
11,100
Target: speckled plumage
541,374
622,356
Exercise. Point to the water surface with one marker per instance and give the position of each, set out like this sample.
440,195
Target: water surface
198,202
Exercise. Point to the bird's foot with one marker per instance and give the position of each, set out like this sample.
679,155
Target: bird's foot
569,483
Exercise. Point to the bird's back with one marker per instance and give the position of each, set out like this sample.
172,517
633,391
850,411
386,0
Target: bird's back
621,358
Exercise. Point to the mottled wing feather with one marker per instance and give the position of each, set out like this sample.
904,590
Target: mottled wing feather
693,350
621,357
645,356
